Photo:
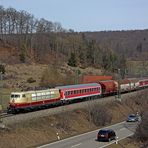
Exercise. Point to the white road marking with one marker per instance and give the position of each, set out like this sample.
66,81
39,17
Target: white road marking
116,140
122,129
76,145
78,135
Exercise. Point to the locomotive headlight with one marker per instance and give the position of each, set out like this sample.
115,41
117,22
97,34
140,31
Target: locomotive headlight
13,101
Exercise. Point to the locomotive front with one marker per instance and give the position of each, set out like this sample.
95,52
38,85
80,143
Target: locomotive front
16,98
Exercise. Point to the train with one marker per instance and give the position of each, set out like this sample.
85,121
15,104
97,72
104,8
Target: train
32,100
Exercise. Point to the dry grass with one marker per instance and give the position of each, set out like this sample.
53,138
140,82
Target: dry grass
126,143
43,130
17,76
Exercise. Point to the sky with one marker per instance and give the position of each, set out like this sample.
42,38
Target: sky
87,15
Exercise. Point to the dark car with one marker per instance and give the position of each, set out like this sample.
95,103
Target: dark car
132,118
106,135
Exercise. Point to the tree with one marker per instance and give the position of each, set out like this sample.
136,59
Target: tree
142,130
72,60
139,47
122,65
2,68
23,53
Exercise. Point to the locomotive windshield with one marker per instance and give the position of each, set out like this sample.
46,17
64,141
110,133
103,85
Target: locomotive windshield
15,96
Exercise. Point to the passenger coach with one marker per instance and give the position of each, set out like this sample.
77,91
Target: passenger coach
79,91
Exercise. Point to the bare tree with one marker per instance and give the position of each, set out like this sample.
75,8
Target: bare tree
142,131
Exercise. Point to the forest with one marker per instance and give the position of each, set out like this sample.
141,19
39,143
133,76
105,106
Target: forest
27,39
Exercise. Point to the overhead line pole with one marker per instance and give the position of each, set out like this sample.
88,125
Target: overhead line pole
118,95
119,87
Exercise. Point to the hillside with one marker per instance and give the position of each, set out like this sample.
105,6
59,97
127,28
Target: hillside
133,43
87,46
38,131
98,53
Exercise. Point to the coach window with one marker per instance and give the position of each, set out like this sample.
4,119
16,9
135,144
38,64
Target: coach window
47,95
39,96
67,93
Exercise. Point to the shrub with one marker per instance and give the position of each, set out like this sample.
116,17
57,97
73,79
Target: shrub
2,69
72,60
99,115
31,80
141,133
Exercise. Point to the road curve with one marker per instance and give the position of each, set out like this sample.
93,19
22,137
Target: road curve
88,140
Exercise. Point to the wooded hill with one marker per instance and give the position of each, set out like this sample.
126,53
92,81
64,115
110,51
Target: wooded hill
25,39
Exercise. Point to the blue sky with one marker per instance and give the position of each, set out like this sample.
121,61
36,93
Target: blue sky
87,15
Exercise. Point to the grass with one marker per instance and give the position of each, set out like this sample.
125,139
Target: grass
4,97
43,130
125,143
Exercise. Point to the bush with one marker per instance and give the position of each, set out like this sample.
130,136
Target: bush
141,133
72,60
2,69
64,121
31,80
99,115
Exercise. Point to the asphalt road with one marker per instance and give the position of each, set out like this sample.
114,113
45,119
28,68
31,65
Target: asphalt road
88,140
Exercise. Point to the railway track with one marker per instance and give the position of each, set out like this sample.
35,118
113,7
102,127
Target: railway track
4,115
14,118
